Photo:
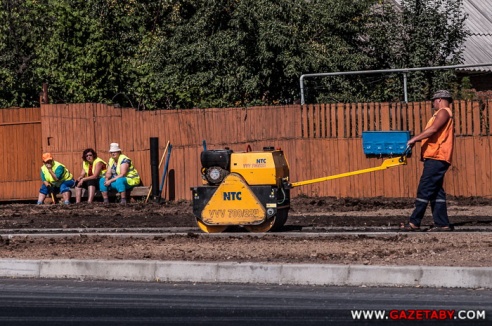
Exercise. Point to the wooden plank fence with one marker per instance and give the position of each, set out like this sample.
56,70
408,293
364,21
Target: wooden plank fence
318,140
20,147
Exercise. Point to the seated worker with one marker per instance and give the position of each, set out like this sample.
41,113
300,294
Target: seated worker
56,177
93,169
120,175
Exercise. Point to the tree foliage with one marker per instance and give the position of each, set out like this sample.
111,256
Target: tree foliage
419,33
20,35
216,53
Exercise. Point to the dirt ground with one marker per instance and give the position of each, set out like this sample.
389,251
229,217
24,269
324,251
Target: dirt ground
457,248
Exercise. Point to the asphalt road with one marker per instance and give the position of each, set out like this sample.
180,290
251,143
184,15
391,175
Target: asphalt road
76,302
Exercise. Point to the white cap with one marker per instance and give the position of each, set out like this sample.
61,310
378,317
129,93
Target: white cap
114,147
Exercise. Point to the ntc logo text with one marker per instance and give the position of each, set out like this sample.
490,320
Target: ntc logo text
261,161
232,195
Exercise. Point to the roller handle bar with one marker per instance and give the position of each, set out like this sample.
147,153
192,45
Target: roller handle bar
388,163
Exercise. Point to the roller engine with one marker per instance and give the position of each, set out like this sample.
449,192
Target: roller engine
248,189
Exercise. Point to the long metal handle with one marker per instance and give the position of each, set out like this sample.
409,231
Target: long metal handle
388,163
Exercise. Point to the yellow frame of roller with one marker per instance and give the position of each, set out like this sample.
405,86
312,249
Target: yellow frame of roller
388,163
247,210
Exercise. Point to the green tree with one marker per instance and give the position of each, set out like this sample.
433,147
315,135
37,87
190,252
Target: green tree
89,41
216,53
416,34
21,32
246,52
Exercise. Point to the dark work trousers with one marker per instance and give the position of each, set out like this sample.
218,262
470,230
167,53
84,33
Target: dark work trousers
430,190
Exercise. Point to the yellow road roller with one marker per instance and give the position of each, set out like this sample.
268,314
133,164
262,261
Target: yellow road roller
251,189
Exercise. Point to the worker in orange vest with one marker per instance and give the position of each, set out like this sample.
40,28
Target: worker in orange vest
436,153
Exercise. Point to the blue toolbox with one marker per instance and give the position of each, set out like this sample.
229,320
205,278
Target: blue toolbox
385,143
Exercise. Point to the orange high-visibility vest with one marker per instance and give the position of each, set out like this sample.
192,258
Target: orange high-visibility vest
440,145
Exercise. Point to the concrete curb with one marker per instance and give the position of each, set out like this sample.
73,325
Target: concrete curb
266,273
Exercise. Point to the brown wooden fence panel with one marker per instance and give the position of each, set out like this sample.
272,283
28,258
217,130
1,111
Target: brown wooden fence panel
353,120
414,113
471,167
310,121
486,165
488,121
371,118
340,121
21,148
476,118
316,122
481,169
355,147
318,140
333,121
469,119
345,116
395,117
347,164
323,122
464,124
463,181
385,116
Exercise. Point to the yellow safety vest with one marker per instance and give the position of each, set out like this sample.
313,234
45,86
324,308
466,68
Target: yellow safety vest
48,177
132,177
85,166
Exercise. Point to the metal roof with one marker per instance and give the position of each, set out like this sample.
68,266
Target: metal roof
479,20
478,45
478,49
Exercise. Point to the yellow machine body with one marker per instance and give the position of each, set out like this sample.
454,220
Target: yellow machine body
233,204
260,168
242,189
